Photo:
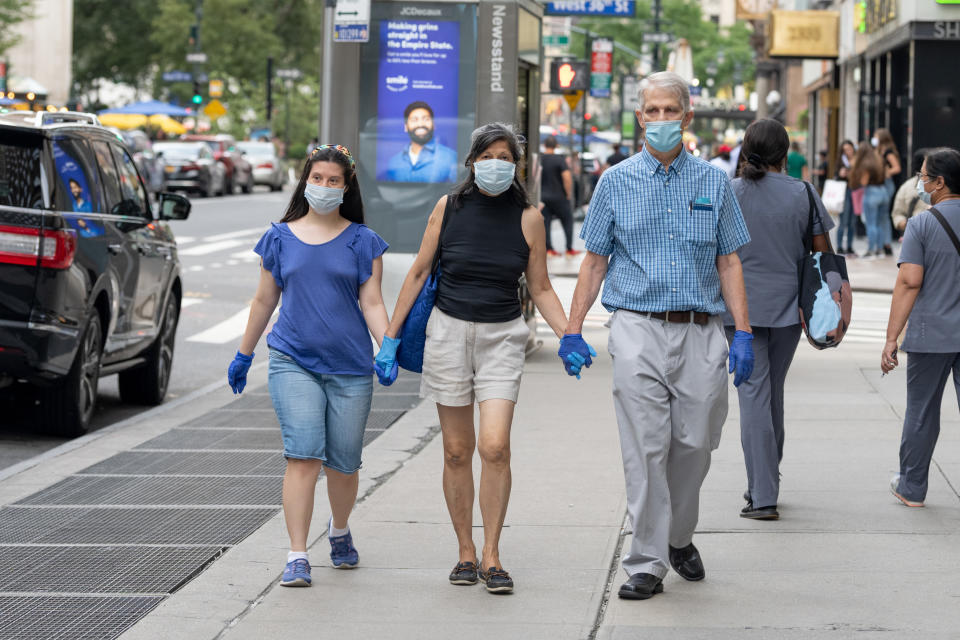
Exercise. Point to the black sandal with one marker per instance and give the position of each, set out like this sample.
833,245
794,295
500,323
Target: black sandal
464,573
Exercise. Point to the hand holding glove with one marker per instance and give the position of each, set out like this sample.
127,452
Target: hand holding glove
575,353
741,357
237,371
385,364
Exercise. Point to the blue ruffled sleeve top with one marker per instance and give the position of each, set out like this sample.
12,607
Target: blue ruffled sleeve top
321,325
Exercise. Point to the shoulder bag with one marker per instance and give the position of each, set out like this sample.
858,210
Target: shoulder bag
824,294
946,227
413,334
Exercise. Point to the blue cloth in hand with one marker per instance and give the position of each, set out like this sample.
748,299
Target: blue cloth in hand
385,364
237,371
741,357
575,353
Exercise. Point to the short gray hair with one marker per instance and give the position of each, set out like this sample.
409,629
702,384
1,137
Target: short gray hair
666,80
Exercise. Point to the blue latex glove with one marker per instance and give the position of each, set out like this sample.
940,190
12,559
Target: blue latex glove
385,364
575,353
741,357
237,371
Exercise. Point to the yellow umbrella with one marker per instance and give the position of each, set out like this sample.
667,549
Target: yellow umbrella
137,121
123,120
167,124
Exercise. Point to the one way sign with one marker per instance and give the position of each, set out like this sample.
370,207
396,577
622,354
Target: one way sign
351,21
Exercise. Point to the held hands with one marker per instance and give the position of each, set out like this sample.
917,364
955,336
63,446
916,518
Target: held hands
741,357
575,353
385,364
237,371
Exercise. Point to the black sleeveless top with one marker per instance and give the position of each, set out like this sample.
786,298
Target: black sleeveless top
482,255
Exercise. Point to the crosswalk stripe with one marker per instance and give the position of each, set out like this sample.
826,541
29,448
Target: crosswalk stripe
240,233
211,247
227,331
189,302
185,239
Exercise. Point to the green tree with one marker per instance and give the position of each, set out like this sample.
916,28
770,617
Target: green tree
11,13
108,42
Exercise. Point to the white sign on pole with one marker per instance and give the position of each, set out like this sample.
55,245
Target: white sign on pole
351,21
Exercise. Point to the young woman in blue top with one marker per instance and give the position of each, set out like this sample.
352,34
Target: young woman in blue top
327,265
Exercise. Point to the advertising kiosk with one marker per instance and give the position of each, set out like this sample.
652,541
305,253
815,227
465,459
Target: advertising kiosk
407,100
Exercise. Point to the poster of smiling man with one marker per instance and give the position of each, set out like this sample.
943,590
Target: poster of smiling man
417,101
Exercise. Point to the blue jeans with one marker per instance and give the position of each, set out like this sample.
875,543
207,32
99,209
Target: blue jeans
848,224
876,202
322,416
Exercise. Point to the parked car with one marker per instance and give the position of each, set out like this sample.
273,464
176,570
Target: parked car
89,275
148,163
224,148
191,166
267,168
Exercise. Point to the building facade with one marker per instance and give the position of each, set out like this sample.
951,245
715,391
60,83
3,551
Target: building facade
43,56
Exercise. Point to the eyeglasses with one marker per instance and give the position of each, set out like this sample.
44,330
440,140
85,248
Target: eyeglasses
925,176
336,147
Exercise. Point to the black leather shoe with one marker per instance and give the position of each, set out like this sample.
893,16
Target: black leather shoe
760,513
640,586
687,562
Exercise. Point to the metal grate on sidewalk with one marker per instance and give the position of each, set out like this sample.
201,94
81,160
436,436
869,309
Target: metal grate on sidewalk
75,556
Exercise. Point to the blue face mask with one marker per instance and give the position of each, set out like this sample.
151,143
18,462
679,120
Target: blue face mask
323,200
663,136
494,176
922,192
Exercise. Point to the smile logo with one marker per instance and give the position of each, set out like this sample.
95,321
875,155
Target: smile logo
397,83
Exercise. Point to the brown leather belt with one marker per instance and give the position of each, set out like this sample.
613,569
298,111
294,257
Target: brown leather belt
696,317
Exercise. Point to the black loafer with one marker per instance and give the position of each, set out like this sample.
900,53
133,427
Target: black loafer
760,513
464,573
687,562
640,586
497,580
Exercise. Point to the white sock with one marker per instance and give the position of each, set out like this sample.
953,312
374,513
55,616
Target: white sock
336,533
297,555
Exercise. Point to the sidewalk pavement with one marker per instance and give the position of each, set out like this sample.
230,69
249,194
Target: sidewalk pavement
845,559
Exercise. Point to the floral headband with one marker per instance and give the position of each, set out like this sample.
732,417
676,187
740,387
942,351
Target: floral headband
337,147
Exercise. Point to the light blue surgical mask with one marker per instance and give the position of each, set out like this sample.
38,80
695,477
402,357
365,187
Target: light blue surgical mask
922,192
664,135
323,200
494,176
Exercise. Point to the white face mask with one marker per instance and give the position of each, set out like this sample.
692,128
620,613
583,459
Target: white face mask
323,200
875,141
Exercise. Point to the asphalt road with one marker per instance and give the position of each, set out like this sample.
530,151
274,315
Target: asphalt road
219,271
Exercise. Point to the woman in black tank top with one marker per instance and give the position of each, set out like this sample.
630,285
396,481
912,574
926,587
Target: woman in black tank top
491,235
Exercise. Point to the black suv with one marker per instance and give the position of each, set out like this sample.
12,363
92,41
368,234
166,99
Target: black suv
89,275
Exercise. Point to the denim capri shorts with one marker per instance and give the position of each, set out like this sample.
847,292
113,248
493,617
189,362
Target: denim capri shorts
322,416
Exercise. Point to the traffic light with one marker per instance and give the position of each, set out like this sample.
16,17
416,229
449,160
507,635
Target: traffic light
197,97
567,76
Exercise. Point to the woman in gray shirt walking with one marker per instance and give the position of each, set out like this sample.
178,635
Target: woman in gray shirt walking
928,292
776,209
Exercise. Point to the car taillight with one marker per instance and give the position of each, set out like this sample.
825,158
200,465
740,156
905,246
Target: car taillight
265,165
19,245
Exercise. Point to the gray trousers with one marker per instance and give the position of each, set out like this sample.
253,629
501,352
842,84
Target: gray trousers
926,378
761,409
670,396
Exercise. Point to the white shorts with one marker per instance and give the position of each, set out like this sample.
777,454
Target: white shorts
463,361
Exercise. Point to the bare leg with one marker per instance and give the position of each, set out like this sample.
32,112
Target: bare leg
299,484
496,416
456,426
342,492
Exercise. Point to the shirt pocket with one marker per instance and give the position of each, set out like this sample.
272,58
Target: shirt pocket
701,229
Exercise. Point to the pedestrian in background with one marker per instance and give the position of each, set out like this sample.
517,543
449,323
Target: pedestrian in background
663,229
893,173
556,190
908,203
927,293
723,160
327,266
848,221
476,336
776,209
820,173
796,163
867,172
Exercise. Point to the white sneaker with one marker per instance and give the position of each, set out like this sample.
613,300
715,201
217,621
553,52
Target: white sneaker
894,484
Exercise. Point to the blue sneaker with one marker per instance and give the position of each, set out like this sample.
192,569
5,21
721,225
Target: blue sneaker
343,555
296,574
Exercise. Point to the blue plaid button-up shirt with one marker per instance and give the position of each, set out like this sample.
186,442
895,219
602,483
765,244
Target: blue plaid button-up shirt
663,231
